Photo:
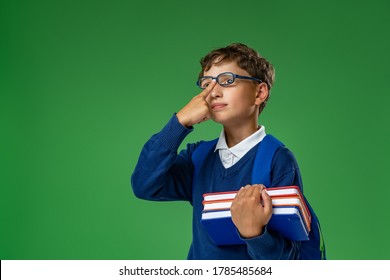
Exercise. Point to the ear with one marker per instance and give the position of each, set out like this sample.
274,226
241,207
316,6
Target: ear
261,93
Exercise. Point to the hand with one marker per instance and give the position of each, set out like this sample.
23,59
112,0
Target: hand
249,214
197,110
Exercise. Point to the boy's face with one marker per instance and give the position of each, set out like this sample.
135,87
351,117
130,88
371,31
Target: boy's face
237,103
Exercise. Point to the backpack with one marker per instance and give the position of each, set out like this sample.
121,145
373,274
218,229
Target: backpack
261,174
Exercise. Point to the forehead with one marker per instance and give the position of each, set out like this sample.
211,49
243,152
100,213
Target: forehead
228,66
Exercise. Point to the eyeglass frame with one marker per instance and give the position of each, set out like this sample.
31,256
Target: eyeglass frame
235,76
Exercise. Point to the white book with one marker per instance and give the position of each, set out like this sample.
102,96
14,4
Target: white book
278,191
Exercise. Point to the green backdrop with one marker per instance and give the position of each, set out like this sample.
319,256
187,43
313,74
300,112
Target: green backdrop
83,84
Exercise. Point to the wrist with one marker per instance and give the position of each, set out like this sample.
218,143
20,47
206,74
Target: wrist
252,233
183,120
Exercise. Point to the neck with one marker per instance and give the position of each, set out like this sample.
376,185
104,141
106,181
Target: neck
235,135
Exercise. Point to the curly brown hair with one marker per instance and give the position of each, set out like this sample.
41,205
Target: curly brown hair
247,59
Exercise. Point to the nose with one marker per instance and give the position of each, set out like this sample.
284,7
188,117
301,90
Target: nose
216,92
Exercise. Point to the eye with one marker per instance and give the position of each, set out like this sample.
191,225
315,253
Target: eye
204,82
229,81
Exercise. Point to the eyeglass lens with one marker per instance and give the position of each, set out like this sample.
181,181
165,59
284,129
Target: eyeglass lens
222,79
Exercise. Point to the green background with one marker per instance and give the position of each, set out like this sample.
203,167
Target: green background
83,84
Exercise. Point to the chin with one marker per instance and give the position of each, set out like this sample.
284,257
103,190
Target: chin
221,120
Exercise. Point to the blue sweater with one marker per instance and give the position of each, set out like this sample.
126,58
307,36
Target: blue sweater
162,174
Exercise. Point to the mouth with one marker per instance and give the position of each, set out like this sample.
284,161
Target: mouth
218,106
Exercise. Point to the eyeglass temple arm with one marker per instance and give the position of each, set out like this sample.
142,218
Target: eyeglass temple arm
248,78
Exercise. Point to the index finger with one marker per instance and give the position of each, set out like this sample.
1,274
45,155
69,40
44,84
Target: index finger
267,201
208,89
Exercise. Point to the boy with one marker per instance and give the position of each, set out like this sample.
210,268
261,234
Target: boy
236,83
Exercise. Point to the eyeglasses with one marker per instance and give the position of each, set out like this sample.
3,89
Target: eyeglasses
224,79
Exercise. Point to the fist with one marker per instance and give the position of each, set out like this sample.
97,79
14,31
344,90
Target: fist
197,110
251,210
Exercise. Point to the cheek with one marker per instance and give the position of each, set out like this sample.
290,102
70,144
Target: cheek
243,99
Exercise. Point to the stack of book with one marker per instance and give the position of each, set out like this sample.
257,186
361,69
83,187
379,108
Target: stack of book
290,215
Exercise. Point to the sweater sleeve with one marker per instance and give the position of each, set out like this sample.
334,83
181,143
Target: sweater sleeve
271,245
161,174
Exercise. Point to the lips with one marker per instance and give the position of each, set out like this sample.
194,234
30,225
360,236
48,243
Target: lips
218,106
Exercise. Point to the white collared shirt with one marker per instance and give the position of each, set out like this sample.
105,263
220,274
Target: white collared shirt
230,156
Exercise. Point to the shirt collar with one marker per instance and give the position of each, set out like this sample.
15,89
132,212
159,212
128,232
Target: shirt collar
240,149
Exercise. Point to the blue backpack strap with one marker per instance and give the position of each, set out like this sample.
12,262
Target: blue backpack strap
261,173
200,153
